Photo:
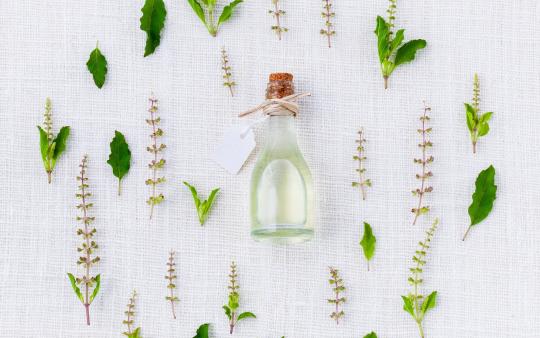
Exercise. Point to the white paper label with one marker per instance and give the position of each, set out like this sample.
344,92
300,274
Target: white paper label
237,144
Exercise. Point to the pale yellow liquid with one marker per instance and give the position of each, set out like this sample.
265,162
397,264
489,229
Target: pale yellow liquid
281,188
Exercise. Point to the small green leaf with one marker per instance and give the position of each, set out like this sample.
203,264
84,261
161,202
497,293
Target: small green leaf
471,117
407,52
96,289
152,22
233,301
97,65
228,11
368,242
60,142
120,157
227,311
75,287
483,129
398,39
486,117
246,315
135,334
196,6
408,305
371,335
429,303
202,331
203,207
483,197
382,31
44,146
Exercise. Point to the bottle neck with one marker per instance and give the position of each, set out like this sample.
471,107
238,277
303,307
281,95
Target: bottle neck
280,133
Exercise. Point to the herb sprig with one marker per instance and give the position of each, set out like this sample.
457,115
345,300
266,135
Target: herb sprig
328,14
157,162
337,287
361,158
483,197
205,10
277,13
426,159
130,314
203,207
477,123
227,75
171,286
51,147
392,53
234,299
416,304
87,282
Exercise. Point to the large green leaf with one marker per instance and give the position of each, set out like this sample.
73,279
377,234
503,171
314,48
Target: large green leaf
60,142
407,52
408,305
43,145
120,156
382,31
152,22
471,116
228,11
368,241
202,331
196,6
371,335
246,315
97,65
430,302
484,196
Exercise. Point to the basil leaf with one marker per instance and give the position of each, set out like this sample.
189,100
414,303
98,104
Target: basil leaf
96,289
382,32
202,331
43,145
120,157
407,52
371,335
483,197
197,9
227,311
471,113
486,117
228,11
75,287
97,66
368,242
398,39
152,22
203,207
483,129
429,303
60,142
408,305
245,315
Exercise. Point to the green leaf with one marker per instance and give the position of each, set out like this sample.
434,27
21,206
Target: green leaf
44,146
228,11
408,305
75,287
429,303
371,335
233,301
382,31
96,289
407,52
202,331
398,39
152,22
483,129
135,334
97,65
486,117
197,9
368,241
471,116
484,196
245,315
120,156
227,311
60,142
203,207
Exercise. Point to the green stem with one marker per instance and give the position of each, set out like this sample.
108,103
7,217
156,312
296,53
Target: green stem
466,233
420,329
119,188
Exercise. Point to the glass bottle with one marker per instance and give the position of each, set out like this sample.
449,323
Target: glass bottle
281,205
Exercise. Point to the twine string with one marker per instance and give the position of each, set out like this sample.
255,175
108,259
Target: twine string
286,106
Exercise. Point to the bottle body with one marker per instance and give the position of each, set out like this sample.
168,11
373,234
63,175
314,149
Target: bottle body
281,197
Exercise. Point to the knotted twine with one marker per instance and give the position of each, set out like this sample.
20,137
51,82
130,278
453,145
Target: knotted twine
286,106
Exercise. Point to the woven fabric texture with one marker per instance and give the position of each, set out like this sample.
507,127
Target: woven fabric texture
488,285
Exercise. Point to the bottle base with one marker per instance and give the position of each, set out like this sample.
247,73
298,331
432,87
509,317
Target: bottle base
282,235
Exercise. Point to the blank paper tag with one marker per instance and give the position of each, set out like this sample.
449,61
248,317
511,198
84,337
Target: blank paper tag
238,142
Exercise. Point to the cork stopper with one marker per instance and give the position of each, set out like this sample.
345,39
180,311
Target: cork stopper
279,85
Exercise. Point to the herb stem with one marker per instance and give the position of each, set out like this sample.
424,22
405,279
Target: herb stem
277,20
87,239
466,233
328,15
360,166
49,176
154,139
423,169
385,77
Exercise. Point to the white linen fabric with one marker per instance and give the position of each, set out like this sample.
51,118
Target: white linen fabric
488,285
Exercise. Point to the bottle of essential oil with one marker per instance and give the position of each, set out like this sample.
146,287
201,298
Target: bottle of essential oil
281,185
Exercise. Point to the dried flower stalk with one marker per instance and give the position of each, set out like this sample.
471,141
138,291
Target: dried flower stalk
171,277
86,282
338,288
130,313
277,13
391,11
227,76
424,161
328,14
157,163
361,158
